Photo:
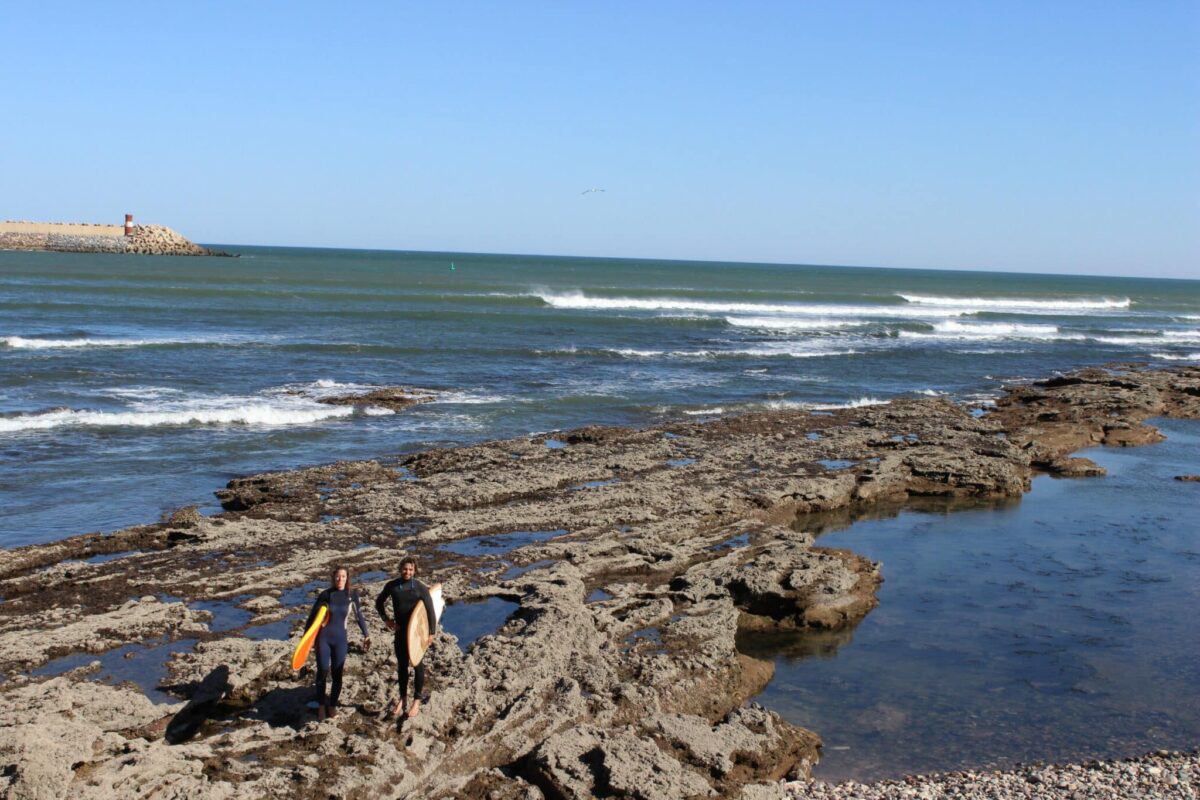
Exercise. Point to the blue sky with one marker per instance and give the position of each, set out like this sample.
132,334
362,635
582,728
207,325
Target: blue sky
1039,137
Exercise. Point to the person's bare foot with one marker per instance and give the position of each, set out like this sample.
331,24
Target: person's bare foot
414,709
397,708
321,713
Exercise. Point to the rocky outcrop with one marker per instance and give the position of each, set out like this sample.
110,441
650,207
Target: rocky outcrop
634,562
395,398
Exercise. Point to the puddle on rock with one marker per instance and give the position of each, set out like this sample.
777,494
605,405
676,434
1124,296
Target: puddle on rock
102,558
555,444
598,596
517,571
675,463
411,527
813,436
280,629
302,595
500,543
836,463
226,614
144,665
593,484
741,540
471,621
1046,629
646,639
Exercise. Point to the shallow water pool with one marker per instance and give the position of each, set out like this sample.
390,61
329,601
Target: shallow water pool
1059,627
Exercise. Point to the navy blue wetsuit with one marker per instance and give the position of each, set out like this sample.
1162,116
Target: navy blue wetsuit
404,596
332,643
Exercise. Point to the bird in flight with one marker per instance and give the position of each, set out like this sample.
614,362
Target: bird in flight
589,191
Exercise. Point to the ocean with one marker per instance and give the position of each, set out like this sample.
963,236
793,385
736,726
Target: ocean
133,385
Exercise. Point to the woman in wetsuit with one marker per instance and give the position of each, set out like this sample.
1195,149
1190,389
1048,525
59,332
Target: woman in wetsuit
332,643
405,592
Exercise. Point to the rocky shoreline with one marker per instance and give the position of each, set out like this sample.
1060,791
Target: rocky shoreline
155,240
630,559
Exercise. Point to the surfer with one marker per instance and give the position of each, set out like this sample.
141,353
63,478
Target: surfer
405,592
332,643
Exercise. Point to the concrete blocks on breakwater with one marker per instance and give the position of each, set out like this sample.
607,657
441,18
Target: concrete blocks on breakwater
67,237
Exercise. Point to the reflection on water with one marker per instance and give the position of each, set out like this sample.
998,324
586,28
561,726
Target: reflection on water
470,621
1060,626
144,665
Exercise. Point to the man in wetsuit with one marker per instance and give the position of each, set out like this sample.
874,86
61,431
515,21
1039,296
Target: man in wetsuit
332,644
405,592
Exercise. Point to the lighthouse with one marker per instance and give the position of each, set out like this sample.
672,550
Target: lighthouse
129,224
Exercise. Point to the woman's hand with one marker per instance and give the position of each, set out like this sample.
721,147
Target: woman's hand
391,626
366,644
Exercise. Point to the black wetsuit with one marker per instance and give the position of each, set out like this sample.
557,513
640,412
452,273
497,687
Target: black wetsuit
404,596
332,644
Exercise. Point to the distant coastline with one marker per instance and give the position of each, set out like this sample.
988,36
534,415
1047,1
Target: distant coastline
73,237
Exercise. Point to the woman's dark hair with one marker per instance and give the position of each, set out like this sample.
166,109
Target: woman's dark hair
336,570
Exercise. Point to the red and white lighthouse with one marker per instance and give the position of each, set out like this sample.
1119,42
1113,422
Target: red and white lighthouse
129,224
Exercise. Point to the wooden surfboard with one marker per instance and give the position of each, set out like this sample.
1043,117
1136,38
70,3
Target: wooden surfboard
418,624
310,636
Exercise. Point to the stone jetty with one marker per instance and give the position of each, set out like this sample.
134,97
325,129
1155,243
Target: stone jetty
66,237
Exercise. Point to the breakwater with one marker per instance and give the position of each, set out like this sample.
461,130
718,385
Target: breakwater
67,237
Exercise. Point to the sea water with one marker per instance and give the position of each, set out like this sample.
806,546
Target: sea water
130,385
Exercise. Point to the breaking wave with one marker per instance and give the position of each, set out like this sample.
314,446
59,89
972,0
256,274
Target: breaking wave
1017,303
259,411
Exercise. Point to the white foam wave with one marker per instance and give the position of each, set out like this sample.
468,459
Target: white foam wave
766,349
274,411
378,411
1065,304
951,329
23,343
1171,357
578,300
1159,338
935,308
703,412
786,324
469,399
996,329
859,403
930,392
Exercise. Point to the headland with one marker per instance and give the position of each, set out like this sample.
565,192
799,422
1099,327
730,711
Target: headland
626,562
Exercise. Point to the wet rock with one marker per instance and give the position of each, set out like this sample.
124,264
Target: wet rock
395,398
1075,467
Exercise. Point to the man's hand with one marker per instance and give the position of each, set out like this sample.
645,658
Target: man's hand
428,641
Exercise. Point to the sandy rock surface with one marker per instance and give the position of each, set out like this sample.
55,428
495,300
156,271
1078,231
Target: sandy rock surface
631,559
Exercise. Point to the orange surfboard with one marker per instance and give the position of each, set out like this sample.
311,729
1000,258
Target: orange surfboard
418,624
309,637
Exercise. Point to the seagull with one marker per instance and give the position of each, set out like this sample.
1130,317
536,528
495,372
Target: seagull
589,191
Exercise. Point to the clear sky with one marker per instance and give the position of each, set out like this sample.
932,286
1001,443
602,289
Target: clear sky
1046,136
